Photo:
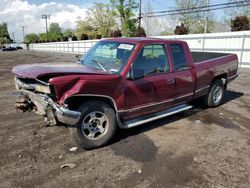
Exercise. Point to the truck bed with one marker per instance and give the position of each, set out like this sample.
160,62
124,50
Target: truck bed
204,56
208,65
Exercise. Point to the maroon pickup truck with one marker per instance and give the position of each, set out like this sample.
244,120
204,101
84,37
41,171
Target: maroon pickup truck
122,82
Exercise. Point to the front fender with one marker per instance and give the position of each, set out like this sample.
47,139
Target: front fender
104,86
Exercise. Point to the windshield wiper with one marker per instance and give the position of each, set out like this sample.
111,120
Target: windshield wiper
98,63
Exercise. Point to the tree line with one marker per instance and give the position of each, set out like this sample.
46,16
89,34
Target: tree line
103,20
4,34
118,19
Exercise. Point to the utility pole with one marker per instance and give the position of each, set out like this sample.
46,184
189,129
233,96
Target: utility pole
23,32
139,19
13,37
46,17
206,22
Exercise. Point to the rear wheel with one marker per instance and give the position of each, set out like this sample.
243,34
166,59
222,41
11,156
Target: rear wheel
97,125
215,95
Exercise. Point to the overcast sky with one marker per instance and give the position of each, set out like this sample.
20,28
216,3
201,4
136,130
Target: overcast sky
65,12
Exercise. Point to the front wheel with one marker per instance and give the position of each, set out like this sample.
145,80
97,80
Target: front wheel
97,125
216,94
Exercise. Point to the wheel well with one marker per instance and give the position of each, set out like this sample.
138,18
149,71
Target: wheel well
75,101
222,77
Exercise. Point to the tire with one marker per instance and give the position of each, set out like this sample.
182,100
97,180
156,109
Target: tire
215,94
97,125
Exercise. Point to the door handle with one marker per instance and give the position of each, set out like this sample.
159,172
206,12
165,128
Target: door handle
171,81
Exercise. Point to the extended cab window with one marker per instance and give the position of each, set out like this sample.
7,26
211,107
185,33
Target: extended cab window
152,59
179,57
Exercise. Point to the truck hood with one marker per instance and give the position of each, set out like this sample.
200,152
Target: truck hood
56,69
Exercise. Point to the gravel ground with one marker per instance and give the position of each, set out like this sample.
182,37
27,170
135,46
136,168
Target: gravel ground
199,148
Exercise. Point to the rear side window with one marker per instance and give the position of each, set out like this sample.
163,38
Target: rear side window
179,56
152,59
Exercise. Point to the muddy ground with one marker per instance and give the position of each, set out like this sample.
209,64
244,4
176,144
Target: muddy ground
199,148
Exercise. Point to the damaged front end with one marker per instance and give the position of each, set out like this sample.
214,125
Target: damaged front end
35,95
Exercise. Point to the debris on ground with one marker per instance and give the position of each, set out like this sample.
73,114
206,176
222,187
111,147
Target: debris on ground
34,132
197,121
197,160
70,165
73,149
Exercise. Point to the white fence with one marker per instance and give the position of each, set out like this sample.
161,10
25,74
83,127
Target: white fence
76,47
229,42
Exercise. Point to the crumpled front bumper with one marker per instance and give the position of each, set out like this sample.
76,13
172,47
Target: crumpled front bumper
45,106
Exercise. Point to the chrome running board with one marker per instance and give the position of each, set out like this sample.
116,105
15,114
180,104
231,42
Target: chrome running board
154,116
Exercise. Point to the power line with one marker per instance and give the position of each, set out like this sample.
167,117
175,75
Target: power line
46,17
190,12
160,4
197,9
239,3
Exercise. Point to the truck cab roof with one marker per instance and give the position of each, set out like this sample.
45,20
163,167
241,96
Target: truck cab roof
136,40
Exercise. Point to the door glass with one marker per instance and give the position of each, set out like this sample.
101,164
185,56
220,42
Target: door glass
179,56
152,59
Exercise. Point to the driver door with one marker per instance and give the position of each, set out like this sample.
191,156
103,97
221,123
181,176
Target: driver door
150,85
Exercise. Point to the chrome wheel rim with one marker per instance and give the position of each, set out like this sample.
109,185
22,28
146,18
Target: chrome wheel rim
95,125
217,94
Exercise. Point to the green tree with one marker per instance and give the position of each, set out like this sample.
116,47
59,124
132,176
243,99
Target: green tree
194,21
101,18
83,28
4,34
55,28
68,33
42,37
125,11
55,32
31,38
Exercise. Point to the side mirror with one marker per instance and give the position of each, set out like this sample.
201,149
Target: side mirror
135,74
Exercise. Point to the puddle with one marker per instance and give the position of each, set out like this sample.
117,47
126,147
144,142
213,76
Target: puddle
164,171
220,120
137,147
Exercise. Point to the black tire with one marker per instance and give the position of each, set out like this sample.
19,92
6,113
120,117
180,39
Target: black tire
93,111
216,89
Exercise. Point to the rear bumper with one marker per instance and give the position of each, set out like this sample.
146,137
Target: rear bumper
42,104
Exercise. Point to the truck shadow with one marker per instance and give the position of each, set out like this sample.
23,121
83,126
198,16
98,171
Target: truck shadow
198,107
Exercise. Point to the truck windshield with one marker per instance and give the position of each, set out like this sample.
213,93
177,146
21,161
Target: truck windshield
108,56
